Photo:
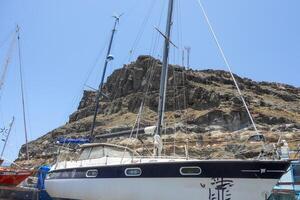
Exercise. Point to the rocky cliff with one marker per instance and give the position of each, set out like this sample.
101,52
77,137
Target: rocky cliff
203,113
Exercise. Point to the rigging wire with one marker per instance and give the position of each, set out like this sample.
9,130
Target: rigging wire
177,78
94,65
22,91
26,97
183,88
178,30
7,62
150,72
141,109
141,31
131,133
180,25
154,45
87,76
150,69
174,58
227,64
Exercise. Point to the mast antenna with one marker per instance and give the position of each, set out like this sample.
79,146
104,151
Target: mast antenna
108,58
163,81
22,92
117,17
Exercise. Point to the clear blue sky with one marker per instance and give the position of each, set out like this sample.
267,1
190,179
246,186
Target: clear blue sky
61,39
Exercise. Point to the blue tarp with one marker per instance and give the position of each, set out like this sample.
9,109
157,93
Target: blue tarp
43,170
42,173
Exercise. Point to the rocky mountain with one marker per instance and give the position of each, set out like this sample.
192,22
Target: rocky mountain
204,113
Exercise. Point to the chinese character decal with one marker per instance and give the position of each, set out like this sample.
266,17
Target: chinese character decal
220,189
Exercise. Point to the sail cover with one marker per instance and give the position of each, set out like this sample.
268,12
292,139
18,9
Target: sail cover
73,140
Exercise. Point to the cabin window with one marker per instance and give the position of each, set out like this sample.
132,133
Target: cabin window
103,151
97,152
111,152
190,171
92,173
85,154
296,173
133,172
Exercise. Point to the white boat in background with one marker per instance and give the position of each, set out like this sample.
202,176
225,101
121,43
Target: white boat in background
288,187
109,172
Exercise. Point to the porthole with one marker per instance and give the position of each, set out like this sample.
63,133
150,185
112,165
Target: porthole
91,173
190,171
133,172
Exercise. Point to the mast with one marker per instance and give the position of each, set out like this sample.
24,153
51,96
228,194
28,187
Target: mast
22,92
99,91
7,135
163,79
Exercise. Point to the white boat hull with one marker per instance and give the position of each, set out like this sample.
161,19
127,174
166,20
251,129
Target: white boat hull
160,189
164,179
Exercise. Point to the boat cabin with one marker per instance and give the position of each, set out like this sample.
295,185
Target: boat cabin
100,150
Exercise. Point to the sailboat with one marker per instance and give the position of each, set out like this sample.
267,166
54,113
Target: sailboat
111,172
13,175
